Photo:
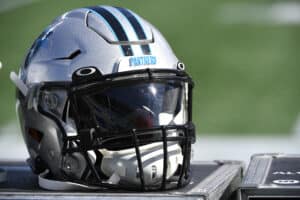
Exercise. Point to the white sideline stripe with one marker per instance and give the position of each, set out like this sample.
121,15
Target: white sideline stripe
8,5
12,146
279,13
242,147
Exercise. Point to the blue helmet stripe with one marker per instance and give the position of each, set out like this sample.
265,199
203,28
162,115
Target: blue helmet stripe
116,27
137,28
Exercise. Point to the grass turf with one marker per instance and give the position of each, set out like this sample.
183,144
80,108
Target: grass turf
246,75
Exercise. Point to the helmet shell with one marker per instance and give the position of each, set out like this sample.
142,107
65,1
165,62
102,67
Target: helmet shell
110,39
83,37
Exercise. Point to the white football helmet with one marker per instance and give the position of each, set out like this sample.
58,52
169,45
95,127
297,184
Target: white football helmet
103,102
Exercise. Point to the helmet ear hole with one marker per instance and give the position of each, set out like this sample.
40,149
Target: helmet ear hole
86,74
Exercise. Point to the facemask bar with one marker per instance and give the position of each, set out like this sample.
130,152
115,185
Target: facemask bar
91,140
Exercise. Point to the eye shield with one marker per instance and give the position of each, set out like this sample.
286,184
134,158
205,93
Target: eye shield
122,110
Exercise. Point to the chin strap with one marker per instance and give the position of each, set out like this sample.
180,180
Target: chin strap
50,184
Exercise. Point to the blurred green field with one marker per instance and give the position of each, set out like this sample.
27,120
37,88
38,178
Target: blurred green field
246,75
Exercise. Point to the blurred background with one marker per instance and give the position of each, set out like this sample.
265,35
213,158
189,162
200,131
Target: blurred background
244,57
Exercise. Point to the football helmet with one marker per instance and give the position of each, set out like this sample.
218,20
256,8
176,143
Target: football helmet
103,102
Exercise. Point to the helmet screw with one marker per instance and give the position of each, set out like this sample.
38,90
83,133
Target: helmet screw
86,71
180,66
68,166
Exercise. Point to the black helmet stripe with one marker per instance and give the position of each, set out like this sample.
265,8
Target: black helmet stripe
137,28
116,27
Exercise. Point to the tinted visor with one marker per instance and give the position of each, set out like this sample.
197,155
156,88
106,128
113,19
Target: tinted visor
136,106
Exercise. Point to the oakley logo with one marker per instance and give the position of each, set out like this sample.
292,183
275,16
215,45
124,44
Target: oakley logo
142,60
286,182
286,173
85,71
